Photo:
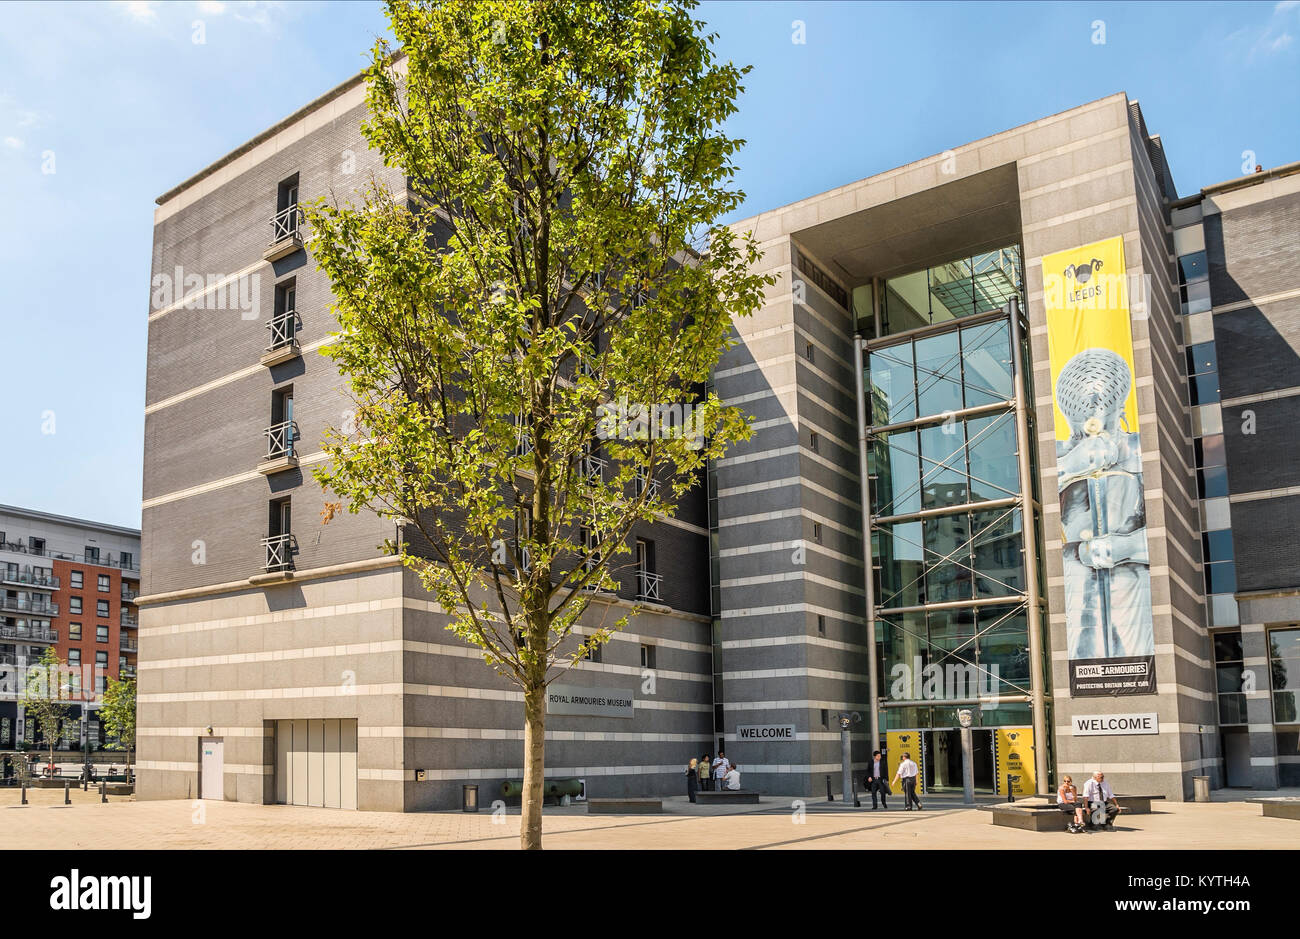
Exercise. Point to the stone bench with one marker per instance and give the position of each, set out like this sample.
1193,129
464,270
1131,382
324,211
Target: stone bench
1135,805
1283,807
727,797
625,806
1029,814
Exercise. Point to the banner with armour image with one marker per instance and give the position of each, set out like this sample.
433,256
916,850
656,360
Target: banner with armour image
1109,633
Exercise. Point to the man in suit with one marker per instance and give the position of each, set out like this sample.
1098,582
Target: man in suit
876,781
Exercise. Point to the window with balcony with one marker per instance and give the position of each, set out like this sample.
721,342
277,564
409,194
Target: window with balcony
282,434
286,236
126,560
282,344
36,545
648,581
278,545
92,555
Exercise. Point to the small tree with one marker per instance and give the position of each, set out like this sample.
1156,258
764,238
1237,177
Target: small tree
46,700
558,250
117,712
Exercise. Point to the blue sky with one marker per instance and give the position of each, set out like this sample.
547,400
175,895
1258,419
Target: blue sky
121,103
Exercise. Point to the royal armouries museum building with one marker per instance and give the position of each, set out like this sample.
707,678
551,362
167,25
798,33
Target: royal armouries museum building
1020,500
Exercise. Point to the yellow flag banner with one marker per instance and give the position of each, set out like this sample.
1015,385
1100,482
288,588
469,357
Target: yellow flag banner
1103,534
1015,761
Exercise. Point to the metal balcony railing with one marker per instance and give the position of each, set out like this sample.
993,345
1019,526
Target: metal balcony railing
126,671
27,634
647,585
278,552
127,644
31,579
130,621
285,224
38,605
284,330
646,482
280,440
105,561
129,595
593,467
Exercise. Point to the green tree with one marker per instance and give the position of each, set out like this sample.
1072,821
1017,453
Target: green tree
557,249
47,696
117,712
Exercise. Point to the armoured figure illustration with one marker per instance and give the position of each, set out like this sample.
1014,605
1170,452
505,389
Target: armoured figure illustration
1103,512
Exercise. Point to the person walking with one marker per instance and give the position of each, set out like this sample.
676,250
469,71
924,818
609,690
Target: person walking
876,780
907,772
706,771
692,778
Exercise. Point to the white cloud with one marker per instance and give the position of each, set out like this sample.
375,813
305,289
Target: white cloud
142,11
13,143
1285,5
1281,42
263,13
212,7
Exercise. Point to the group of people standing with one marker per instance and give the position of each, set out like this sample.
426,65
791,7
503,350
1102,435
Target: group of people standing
705,774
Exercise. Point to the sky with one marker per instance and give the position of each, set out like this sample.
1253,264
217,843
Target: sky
105,106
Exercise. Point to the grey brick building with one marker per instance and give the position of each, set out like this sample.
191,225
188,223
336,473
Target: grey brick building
324,675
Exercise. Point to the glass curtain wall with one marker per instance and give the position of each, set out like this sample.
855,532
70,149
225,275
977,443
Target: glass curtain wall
947,533
964,287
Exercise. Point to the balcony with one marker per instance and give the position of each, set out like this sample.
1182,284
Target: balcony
593,467
127,644
126,672
41,606
278,551
284,339
28,634
126,564
644,483
280,451
647,586
129,595
29,578
286,234
129,621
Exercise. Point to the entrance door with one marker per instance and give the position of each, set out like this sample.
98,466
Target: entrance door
1236,757
943,760
316,763
211,768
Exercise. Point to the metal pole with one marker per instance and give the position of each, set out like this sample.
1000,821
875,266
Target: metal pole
868,563
846,762
1029,532
967,766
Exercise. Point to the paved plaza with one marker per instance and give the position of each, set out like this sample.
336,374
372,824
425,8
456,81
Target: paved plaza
124,823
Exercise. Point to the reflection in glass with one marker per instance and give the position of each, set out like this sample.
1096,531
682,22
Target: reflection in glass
986,354
891,380
994,468
943,465
938,374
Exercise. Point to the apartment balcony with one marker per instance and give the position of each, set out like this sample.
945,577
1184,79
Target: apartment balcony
129,621
278,551
646,483
593,467
128,565
38,605
129,595
647,586
30,579
283,345
125,672
281,453
28,634
286,234
127,644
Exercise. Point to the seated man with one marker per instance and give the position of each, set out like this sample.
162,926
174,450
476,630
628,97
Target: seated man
1067,800
1098,795
732,779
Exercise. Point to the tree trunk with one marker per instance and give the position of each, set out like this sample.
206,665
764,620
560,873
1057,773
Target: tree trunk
530,828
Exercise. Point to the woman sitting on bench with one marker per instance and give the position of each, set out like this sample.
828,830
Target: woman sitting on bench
1067,800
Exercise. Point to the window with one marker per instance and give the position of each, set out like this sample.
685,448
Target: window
1284,667
826,718
74,656
1229,680
284,324
817,532
101,634
74,604
821,624
92,555
77,579
101,659
647,580
647,656
814,442
810,352
101,608
74,630
595,653
127,560
1194,283
280,435
103,583
36,545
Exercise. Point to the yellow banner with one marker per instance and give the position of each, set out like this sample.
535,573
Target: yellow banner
1085,292
898,742
1015,756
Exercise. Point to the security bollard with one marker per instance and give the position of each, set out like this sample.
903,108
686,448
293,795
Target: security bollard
829,797
103,791
67,793
24,792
